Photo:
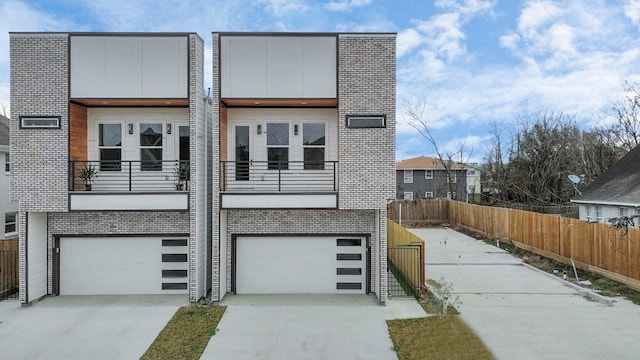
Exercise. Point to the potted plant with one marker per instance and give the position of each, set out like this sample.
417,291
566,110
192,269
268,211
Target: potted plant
181,175
88,175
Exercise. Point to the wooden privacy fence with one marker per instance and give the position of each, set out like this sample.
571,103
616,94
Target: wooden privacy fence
8,269
593,247
405,251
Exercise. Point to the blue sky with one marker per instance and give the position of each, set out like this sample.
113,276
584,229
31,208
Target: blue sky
470,62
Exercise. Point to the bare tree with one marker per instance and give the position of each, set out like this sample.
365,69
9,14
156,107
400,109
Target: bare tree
627,112
416,118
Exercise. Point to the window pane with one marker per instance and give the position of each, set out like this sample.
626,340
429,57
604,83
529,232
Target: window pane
110,159
313,134
110,134
184,143
151,159
278,158
150,134
277,134
10,222
242,153
7,162
313,158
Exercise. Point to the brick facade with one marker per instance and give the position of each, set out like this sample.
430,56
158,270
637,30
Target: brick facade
40,87
366,86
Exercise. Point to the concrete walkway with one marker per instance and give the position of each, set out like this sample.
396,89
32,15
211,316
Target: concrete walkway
84,327
307,327
522,313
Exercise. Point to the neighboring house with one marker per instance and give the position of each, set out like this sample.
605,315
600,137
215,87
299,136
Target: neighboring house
426,178
8,208
278,184
614,193
474,188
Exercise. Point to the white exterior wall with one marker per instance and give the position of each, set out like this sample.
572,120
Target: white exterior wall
36,255
129,67
608,211
6,205
278,66
136,116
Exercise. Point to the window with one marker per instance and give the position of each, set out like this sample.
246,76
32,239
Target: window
313,142
428,195
7,162
364,121
428,174
151,147
588,213
110,146
453,177
408,195
44,122
451,195
598,213
622,212
408,176
471,172
278,146
10,222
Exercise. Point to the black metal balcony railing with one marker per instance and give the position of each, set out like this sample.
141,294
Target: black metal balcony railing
274,176
127,175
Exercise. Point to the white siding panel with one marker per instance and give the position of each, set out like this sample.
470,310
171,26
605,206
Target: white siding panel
36,255
320,75
88,76
246,66
278,67
164,67
223,254
284,67
123,67
129,66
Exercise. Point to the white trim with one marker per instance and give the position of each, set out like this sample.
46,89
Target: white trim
608,203
279,201
408,179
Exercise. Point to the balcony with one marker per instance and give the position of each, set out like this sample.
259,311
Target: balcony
278,185
129,185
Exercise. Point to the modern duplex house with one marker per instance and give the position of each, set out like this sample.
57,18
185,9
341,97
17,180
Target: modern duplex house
130,180
305,125
425,177
122,115
8,208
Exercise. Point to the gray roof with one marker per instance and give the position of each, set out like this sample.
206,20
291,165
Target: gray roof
4,131
619,185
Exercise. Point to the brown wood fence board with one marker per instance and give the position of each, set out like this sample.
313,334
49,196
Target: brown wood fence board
595,247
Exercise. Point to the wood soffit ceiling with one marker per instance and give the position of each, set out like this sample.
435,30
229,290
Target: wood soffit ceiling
328,103
131,102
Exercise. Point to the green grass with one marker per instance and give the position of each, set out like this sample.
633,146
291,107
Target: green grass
187,334
436,337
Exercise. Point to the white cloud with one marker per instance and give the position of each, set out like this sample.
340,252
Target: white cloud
282,7
632,11
345,5
407,40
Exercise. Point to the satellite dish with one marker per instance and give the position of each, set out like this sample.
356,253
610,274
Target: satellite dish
575,179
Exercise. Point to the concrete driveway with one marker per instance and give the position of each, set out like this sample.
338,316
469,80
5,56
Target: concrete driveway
84,327
523,313
306,327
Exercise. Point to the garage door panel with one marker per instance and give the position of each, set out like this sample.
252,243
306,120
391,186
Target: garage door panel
118,265
277,265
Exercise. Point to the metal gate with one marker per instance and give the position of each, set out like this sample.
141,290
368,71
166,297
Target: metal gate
405,265
8,274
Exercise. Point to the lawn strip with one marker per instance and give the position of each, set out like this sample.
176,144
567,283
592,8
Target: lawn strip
187,334
436,337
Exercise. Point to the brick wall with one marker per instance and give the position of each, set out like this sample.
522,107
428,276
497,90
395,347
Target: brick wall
40,87
366,86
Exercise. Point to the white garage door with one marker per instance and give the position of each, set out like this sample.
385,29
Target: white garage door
300,265
116,265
